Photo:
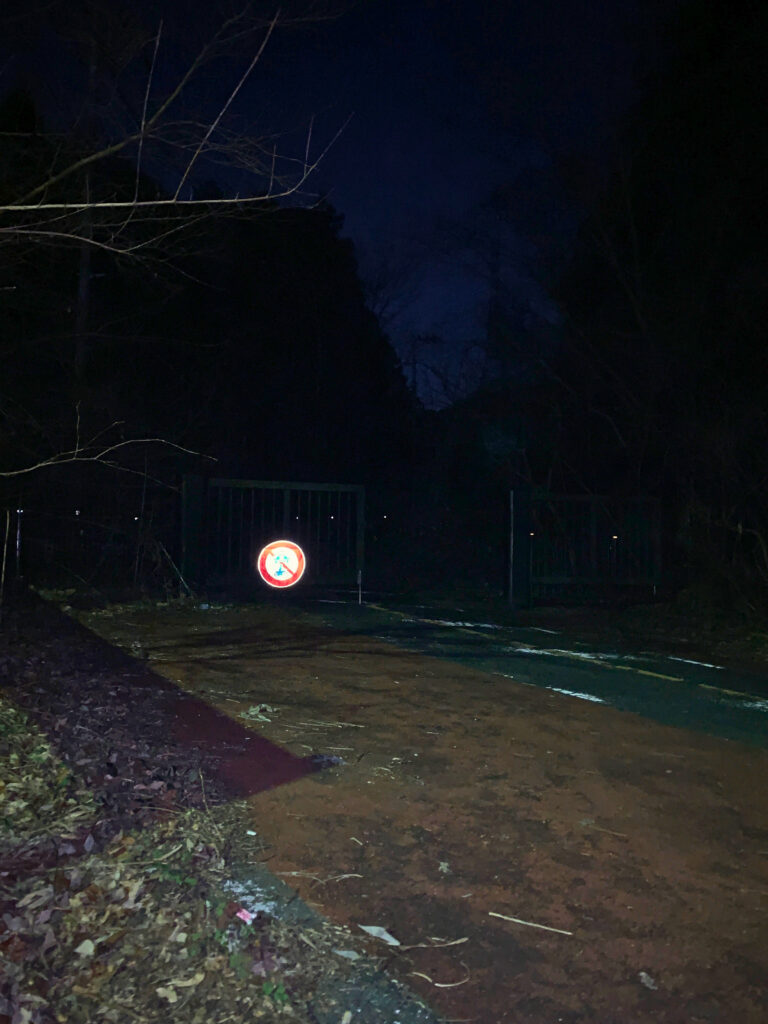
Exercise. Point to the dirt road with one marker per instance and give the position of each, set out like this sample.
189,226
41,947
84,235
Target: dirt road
539,858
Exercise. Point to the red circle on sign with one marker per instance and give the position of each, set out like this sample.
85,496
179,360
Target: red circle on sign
281,563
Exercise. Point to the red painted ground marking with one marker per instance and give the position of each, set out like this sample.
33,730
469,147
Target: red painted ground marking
247,762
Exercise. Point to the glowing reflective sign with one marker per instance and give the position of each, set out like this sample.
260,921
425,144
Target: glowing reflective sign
281,563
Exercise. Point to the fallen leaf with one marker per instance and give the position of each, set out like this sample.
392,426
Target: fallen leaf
188,982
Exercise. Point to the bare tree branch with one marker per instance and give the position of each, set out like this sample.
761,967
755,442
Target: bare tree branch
232,95
144,110
81,454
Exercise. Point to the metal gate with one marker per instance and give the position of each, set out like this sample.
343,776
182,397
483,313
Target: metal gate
226,523
582,546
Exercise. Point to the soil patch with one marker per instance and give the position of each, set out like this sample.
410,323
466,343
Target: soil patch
537,858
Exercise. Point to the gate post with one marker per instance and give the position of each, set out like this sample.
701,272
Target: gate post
192,555
520,547
360,532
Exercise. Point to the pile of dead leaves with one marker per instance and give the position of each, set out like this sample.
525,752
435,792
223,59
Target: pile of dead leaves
116,851
124,933
142,930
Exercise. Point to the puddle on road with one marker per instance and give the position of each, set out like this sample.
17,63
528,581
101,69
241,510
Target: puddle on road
471,815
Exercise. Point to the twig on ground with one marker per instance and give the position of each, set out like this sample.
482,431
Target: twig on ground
315,878
436,943
529,924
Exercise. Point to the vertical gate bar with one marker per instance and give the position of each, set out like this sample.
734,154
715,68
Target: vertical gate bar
329,521
360,539
323,525
235,539
318,513
656,527
244,496
252,553
219,538
212,522
348,544
229,531
212,526
239,550
512,547
192,518
337,531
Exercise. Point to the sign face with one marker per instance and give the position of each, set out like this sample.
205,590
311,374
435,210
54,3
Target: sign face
281,563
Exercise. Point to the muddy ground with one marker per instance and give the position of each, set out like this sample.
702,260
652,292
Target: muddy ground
538,858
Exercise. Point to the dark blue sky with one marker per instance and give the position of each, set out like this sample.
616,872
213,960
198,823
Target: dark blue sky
452,98
463,114
453,102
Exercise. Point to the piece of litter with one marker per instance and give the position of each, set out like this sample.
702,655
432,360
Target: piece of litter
347,1018
590,823
320,761
529,924
348,954
444,867
647,980
250,832
244,915
258,713
379,933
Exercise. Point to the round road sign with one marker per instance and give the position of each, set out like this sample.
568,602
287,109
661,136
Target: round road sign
281,563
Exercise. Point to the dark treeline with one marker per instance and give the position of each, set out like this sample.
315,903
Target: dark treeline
244,337
240,335
657,382
666,299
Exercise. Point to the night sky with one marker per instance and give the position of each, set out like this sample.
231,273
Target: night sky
452,104
459,117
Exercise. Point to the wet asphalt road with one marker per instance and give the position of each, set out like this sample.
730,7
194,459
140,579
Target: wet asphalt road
675,691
